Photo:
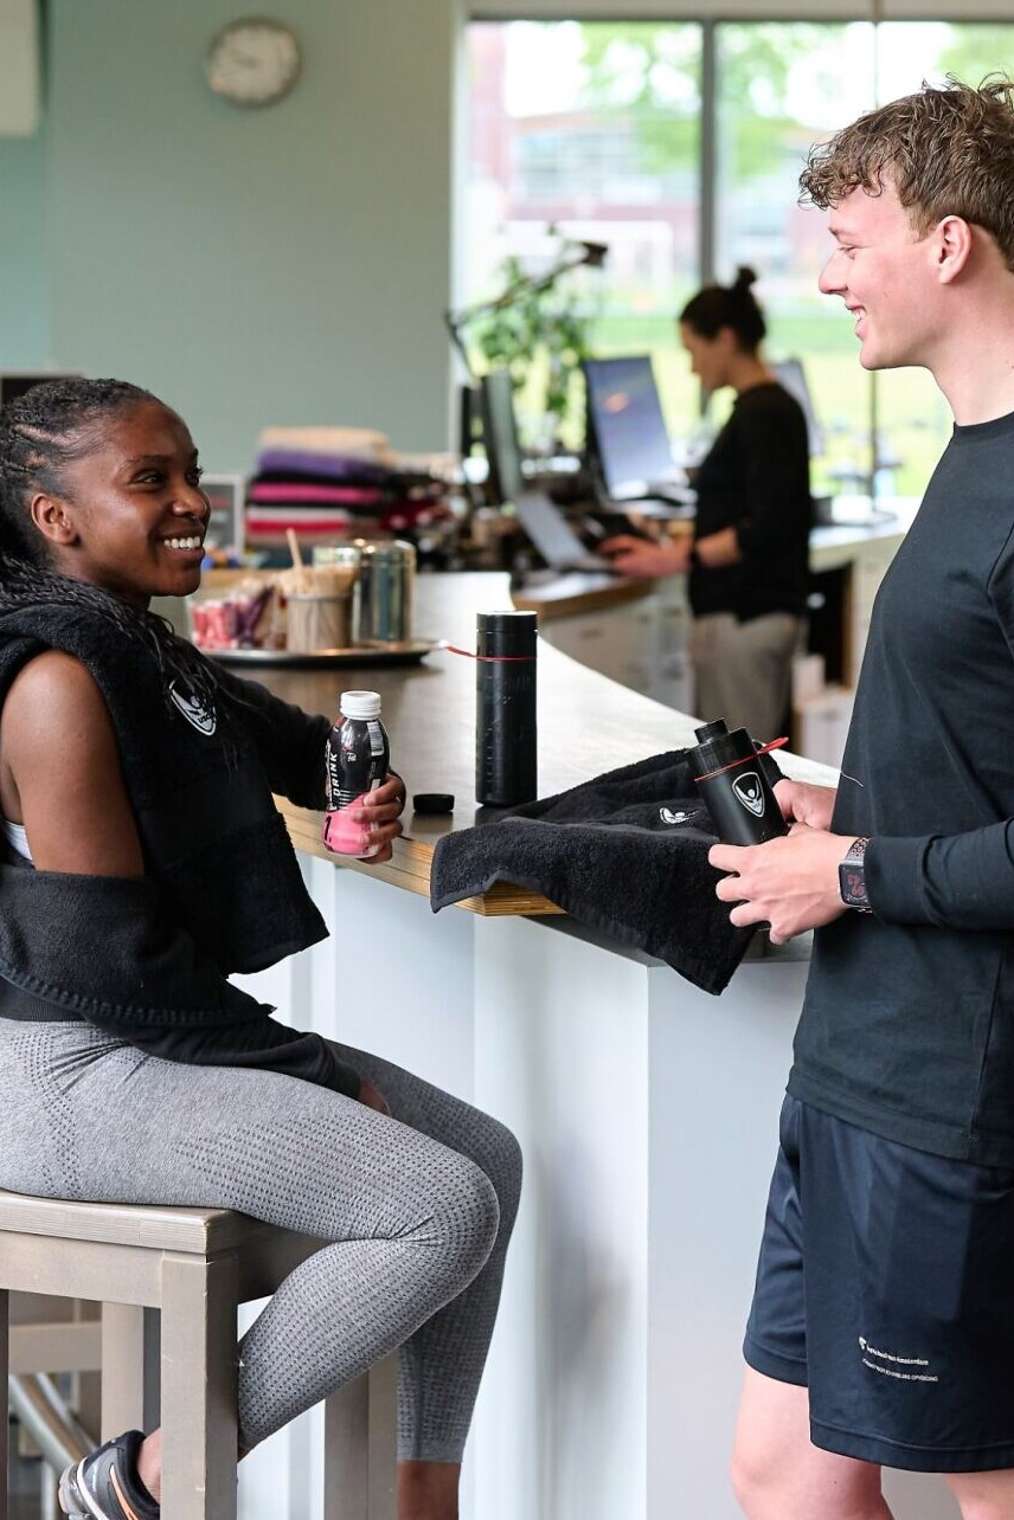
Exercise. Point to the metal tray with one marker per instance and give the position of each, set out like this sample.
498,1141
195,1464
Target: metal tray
408,653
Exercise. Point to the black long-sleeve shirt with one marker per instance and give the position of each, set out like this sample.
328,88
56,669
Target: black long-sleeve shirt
756,479
908,1023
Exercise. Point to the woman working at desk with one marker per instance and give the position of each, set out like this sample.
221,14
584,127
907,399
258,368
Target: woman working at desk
747,560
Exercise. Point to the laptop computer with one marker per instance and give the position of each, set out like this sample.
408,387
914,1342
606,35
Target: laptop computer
555,539
627,432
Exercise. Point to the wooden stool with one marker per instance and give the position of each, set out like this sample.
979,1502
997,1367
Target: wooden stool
195,1266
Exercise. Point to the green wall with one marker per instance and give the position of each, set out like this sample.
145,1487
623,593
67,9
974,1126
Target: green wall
24,307
283,265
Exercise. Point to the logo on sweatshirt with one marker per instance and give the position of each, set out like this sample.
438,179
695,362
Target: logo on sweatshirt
198,713
750,793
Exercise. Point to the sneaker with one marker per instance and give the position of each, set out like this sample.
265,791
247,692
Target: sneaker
105,1484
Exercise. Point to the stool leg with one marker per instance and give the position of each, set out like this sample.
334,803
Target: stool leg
383,1380
361,1446
347,1452
122,1369
152,1369
50,1496
199,1438
4,1430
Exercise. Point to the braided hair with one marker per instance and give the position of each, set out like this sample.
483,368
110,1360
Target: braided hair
49,426
735,306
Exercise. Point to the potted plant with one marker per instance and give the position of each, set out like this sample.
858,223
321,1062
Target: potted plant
539,331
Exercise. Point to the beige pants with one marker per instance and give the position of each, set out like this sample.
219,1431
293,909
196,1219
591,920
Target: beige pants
743,670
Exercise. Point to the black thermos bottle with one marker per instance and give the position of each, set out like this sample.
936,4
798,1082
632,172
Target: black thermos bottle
505,735
731,780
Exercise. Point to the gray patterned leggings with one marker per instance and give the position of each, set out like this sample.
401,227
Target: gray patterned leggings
419,1207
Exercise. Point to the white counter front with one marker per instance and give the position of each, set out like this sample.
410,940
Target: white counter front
647,1112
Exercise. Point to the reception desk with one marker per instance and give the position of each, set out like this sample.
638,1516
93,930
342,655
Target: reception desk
647,1111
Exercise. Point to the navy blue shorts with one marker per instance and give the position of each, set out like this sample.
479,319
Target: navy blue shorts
886,1287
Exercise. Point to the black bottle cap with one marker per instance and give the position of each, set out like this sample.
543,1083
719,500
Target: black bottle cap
506,633
433,802
718,748
711,731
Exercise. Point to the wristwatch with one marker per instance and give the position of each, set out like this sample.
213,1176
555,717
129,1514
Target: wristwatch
852,877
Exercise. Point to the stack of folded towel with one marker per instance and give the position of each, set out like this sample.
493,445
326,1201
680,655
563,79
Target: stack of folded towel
316,480
328,482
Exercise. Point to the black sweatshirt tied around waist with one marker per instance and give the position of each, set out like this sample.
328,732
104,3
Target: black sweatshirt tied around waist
222,890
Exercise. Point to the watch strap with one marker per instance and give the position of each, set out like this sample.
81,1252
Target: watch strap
852,877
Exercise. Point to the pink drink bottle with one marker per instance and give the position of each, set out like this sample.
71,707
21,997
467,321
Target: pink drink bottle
358,755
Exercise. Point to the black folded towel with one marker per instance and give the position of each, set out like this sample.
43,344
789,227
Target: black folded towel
626,853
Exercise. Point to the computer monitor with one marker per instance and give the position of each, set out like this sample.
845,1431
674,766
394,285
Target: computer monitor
13,385
791,375
227,499
500,434
626,427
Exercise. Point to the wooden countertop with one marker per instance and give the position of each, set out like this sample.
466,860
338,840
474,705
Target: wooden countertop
587,724
833,545
552,595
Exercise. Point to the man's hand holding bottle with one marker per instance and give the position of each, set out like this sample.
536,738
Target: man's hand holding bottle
790,884
801,802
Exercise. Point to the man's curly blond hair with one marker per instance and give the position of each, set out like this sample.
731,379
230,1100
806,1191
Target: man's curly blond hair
948,151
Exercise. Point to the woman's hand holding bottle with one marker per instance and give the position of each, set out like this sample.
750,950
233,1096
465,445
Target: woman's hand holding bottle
362,810
379,812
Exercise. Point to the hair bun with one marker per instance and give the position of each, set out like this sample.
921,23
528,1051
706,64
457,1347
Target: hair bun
745,277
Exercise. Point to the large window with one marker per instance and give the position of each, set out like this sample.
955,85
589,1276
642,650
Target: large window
782,86
598,128
914,421
592,128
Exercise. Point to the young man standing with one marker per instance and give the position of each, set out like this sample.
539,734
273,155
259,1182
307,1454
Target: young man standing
893,1192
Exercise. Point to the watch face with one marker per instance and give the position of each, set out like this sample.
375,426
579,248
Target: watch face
253,62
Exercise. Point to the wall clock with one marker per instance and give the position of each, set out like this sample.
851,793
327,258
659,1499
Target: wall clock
253,61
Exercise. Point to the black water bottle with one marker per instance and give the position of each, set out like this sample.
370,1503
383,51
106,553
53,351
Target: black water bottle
730,778
506,761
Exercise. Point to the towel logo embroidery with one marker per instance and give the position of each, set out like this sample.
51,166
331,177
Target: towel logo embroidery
750,793
668,816
196,711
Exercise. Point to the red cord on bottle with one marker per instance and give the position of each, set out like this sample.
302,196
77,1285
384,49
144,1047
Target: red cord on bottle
494,659
773,744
